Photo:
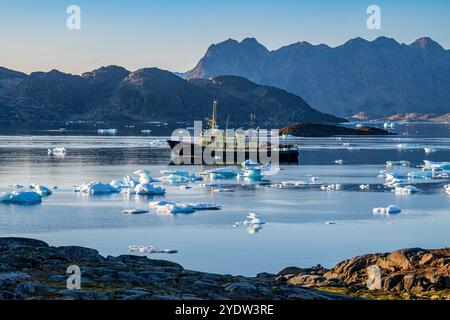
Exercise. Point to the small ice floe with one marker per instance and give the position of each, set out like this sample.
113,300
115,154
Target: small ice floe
96,188
330,222
165,206
290,184
346,144
353,148
42,190
339,162
58,151
391,209
21,197
221,173
125,183
107,131
176,208
389,125
314,178
401,163
135,211
447,188
364,187
185,187
406,190
146,131
252,220
436,165
331,187
429,149
148,189
150,250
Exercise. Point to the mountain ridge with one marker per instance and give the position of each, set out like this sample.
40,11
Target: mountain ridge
382,76
116,94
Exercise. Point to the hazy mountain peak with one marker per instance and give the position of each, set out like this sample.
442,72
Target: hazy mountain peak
426,43
10,74
106,72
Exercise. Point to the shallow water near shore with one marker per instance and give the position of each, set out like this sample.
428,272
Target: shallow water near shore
295,233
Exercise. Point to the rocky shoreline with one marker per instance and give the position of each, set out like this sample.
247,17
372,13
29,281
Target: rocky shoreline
31,269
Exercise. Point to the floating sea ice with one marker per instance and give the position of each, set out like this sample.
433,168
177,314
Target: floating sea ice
96,188
134,211
330,222
144,176
58,151
389,125
156,204
429,149
185,187
406,190
107,131
176,208
146,131
401,163
252,220
21,197
391,209
221,173
364,186
436,165
148,189
339,162
331,187
447,188
158,143
205,206
420,175
150,249
42,190
209,185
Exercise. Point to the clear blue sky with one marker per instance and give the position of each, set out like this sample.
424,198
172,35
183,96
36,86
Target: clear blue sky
174,34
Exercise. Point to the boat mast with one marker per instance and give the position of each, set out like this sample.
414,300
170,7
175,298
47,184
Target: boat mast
213,122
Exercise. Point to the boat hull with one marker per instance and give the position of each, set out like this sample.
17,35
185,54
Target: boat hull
192,153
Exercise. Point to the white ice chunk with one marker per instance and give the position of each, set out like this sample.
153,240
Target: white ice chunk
391,209
134,211
429,149
107,131
406,190
364,187
42,190
400,163
339,162
58,151
148,189
96,188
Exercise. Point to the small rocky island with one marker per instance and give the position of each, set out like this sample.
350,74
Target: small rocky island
31,269
328,130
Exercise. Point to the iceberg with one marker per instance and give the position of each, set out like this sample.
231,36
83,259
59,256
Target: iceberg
406,190
420,175
21,197
391,209
148,189
178,176
331,187
96,188
41,190
144,176
150,249
389,125
364,187
161,203
339,162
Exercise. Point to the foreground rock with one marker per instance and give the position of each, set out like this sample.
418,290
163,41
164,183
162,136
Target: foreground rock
31,269
406,273
324,130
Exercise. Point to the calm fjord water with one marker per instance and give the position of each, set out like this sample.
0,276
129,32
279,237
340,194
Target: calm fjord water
295,233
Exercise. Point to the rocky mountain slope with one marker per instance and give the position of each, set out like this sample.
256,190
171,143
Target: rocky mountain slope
380,77
114,93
